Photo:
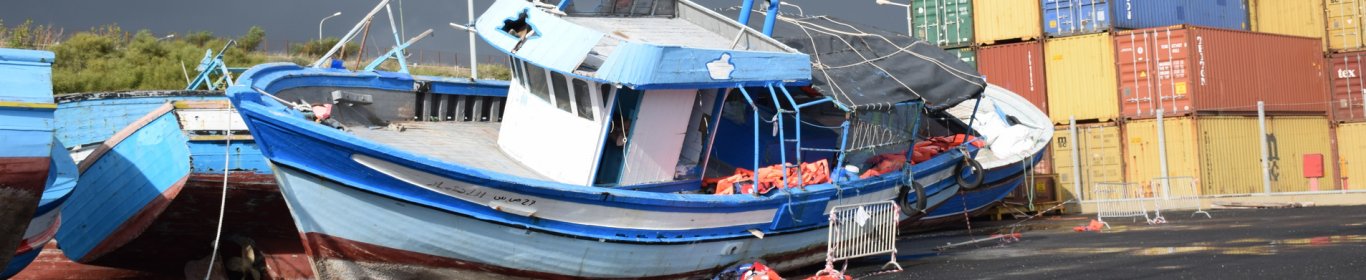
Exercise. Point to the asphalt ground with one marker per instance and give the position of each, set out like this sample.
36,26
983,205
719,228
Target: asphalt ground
1298,243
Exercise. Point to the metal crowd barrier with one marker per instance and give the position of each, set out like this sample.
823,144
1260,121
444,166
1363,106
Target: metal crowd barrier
1120,200
860,230
1179,193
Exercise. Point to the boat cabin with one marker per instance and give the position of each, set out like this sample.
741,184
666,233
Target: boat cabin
620,93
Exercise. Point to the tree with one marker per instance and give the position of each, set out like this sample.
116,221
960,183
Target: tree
252,40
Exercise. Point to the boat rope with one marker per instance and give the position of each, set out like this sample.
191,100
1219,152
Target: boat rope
962,197
223,201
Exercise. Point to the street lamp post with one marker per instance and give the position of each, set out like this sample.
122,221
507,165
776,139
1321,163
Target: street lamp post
909,24
320,25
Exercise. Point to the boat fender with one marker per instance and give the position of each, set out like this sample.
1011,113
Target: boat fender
977,174
902,195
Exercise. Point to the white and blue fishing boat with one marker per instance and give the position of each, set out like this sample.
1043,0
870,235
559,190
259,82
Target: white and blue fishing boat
46,220
594,165
1016,133
26,107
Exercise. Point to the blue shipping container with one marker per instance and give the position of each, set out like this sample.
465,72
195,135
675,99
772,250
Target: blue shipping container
1074,17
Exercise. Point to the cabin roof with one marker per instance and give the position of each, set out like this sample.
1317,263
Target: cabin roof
694,48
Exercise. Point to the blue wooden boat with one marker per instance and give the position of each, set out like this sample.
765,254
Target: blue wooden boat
593,166
1017,133
26,107
42,228
152,174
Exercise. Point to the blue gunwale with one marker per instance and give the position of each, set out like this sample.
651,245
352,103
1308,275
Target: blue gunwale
270,122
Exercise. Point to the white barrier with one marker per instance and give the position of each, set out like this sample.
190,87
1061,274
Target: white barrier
1179,193
860,230
1120,200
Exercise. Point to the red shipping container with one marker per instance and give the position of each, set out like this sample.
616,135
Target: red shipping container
1187,69
1017,67
1349,93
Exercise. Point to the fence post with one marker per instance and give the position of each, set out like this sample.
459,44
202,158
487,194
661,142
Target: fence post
1076,157
1162,153
1266,164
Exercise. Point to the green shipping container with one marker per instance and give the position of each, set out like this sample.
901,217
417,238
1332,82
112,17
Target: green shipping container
967,55
946,23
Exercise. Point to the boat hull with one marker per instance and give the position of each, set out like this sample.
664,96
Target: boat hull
965,204
353,234
21,187
150,194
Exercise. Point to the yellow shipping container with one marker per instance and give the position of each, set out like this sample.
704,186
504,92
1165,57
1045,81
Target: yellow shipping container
1224,153
1143,157
1295,18
1001,20
1352,155
1100,158
1345,24
1081,78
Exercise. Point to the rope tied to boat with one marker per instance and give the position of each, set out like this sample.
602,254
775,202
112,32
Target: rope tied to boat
223,200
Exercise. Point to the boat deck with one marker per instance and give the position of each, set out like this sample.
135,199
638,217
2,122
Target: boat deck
469,144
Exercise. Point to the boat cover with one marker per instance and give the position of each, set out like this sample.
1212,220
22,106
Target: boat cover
866,68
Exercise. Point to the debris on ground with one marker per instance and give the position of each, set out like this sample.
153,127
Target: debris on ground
1095,225
1002,238
1260,205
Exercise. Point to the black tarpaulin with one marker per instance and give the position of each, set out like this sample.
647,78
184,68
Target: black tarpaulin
866,68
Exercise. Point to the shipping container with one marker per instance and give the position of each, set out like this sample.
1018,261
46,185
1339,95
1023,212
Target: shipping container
1045,165
1099,158
966,54
1072,17
1186,69
1080,78
1295,18
1348,100
1345,24
1352,155
996,21
1017,67
1224,152
945,23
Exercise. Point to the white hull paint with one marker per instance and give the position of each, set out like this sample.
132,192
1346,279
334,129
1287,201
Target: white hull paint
325,207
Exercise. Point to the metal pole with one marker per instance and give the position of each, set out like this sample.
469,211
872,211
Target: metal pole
771,18
1076,157
474,63
320,24
746,8
1162,154
1266,150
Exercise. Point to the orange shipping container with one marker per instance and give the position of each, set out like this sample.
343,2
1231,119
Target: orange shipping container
1018,68
1186,69
1348,101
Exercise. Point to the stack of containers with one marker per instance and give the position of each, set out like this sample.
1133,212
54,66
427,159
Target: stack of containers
1339,24
1083,82
1010,55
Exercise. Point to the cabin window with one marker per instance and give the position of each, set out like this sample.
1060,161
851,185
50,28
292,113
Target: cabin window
606,92
537,82
581,99
561,92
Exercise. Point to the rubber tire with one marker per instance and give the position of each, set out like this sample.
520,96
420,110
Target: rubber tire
976,181
919,199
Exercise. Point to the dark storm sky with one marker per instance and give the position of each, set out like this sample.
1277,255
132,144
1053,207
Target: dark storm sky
292,21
